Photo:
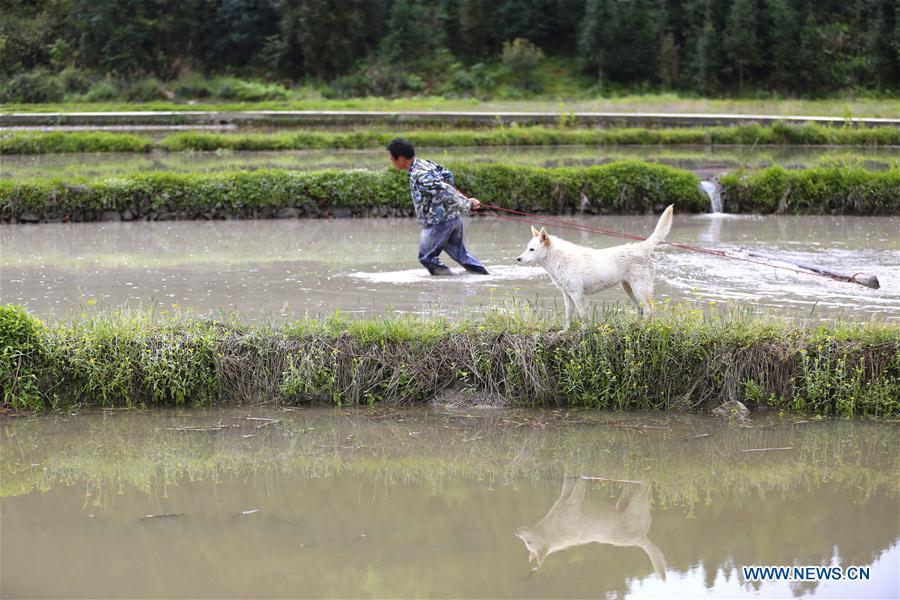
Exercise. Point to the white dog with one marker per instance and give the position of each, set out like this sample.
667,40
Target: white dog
574,521
578,271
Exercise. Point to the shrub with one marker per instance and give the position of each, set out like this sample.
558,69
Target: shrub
102,91
822,190
21,353
143,90
192,86
75,81
414,83
520,55
247,91
35,86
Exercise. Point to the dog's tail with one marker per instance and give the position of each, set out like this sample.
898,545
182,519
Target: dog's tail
662,228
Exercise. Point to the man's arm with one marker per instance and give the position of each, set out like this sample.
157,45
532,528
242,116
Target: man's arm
468,203
442,191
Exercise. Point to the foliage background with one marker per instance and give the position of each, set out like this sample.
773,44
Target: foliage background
252,50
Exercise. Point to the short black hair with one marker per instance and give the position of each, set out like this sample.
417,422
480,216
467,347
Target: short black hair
400,147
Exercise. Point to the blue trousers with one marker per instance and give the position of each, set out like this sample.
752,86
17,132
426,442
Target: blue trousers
446,237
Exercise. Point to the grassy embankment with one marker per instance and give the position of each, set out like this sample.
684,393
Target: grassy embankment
835,107
718,159
36,142
625,187
680,360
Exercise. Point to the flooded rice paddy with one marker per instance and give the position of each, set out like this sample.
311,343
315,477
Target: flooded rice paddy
702,159
439,502
285,268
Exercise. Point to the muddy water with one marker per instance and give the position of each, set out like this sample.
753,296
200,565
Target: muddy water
704,160
288,268
439,502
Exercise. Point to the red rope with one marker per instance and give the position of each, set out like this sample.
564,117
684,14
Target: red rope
569,224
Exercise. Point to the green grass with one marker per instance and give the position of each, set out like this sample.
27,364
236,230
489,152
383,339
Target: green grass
32,142
680,360
836,107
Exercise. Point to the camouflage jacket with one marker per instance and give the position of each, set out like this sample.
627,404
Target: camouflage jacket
433,194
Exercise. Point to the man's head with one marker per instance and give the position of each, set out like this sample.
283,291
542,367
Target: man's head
402,153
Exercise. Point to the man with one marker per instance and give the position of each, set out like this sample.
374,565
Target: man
437,205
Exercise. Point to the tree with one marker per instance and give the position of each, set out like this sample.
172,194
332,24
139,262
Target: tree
878,45
243,26
28,32
810,50
668,61
637,40
414,32
116,45
595,37
333,34
529,19
740,41
475,27
783,32
707,57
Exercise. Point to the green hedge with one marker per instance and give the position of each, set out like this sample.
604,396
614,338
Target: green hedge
677,361
778,134
622,187
39,142
823,190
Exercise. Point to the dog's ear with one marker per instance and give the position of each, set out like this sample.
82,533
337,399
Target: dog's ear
534,231
545,237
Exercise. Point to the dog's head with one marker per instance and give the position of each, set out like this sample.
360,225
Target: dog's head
537,247
537,549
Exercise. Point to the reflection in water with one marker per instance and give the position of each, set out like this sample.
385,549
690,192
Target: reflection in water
422,503
713,232
573,521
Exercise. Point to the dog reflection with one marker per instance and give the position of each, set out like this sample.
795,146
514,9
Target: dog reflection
573,521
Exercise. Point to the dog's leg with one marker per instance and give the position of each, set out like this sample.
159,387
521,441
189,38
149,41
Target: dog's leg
568,302
581,307
627,287
643,293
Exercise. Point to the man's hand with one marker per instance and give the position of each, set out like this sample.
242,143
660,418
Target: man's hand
474,203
